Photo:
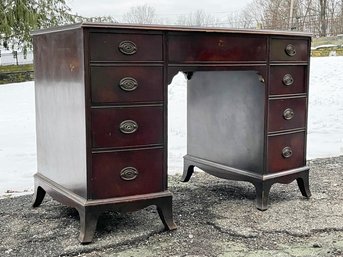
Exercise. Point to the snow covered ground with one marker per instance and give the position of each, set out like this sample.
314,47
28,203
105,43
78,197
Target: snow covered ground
17,123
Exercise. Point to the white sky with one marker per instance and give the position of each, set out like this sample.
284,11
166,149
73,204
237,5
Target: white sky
165,9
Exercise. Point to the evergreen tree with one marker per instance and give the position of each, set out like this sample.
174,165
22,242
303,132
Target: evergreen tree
20,17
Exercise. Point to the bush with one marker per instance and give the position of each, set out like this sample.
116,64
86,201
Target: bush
16,73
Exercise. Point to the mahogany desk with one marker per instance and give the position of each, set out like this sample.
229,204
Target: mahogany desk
101,104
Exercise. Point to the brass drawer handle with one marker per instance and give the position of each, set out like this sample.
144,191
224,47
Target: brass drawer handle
287,152
287,80
290,50
288,114
127,47
128,126
128,84
129,173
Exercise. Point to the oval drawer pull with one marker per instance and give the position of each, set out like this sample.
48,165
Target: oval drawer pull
128,126
128,84
288,114
127,47
129,173
290,50
287,80
287,152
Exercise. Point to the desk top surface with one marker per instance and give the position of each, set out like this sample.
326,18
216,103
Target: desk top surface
170,28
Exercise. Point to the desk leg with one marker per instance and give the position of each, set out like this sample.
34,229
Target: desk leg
88,222
38,196
188,170
165,210
262,194
304,185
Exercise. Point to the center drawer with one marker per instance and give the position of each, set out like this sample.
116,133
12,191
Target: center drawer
127,126
126,173
202,47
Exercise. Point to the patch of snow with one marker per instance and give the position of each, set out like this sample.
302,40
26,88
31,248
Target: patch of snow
18,140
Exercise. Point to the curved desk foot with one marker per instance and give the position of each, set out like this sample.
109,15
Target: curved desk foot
188,170
88,222
165,210
38,196
304,185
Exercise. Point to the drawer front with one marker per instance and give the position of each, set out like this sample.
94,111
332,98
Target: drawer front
287,80
286,152
198,48
127,126
125,47
289,50
126,173
287,114
126,84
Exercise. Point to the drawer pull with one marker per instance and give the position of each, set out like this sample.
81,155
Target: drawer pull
129,173
287,80
290,50
127,47
128,126
288,114
287,152
128,84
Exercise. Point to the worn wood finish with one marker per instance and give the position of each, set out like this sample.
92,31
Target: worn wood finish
101,101
230,48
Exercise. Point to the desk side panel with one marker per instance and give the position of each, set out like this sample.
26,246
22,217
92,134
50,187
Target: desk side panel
60,108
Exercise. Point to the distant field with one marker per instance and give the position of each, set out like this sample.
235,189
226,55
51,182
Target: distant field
327,40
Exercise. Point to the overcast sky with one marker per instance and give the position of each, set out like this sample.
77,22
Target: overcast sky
165,9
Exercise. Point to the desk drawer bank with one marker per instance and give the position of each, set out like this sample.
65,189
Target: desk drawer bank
101,110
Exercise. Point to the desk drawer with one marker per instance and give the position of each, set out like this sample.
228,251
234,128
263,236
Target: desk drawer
287,80
286,152
287,114
289,50
125,47
127,173
126,84
127,126
205,48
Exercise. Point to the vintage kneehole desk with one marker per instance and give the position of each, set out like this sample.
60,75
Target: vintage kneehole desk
101,108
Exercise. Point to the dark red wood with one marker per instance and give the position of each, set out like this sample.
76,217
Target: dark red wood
105,82
106,126
276,161
298,73
107,183
216,48
277,107
278,50
104,47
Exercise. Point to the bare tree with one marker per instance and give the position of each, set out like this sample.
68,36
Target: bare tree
143,14
199,18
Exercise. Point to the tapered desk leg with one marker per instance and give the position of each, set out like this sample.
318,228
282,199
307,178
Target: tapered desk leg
88,222
262,194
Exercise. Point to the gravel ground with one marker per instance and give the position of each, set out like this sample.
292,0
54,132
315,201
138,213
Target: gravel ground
215,217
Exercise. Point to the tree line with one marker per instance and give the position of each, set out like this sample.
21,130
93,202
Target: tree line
320,17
